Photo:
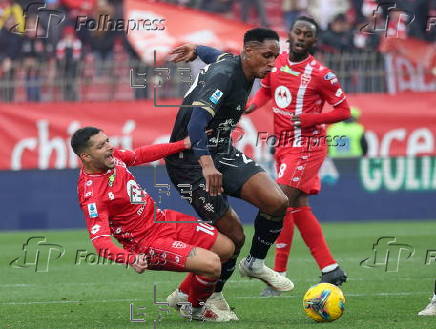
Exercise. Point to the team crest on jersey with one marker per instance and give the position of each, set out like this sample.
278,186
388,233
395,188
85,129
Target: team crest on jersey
92,210
305,79
216,96
282,96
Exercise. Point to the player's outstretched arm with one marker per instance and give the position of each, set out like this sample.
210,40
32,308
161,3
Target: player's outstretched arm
189,52
149,153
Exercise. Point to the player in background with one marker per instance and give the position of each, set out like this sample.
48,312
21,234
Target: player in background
299,85
215,168
430,309
115,205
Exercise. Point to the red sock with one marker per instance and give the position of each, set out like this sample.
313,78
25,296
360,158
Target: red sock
284,242
185,285
312,235
201,289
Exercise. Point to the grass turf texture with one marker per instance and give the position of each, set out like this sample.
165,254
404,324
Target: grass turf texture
98,296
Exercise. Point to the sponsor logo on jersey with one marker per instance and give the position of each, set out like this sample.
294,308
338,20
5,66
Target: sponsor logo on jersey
178,245
287,69
89,183
216,96
88,194
339,92
95,228
92,210
329,76
282,96
111,196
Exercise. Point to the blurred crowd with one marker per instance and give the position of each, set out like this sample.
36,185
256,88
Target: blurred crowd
36,32
346,24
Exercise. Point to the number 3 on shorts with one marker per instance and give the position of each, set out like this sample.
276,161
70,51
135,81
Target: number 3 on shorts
206,228
282,169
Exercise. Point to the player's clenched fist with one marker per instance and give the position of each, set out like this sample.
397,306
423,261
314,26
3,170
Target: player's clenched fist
140,264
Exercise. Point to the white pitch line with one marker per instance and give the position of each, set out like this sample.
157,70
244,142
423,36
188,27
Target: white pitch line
232,282
380,294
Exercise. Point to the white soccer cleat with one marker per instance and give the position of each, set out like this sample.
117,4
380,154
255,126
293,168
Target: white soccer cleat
217,301
177,299
204,313
270,292
267,275
430,309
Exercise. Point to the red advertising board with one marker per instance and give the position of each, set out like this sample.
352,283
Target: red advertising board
410,65
38,135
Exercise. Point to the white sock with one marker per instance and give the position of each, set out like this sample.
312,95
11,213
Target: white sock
217,294
282,273
329,268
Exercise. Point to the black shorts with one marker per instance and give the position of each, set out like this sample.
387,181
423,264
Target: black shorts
236,169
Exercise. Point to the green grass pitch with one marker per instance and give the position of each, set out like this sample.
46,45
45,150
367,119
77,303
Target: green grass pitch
98,296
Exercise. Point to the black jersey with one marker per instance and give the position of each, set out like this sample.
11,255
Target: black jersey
221,89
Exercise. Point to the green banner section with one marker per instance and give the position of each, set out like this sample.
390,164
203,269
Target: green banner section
398,173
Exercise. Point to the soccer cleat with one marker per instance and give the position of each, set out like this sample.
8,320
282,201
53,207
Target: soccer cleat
204,313
336,277
267,275
270,291
218,301
430,309
177,299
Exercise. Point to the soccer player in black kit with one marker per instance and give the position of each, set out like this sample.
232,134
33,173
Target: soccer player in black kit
214,168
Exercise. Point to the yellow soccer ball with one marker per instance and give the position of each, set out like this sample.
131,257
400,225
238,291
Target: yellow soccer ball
324,302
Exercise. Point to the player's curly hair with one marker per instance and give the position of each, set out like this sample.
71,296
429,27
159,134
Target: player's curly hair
260,35
306,19
80,139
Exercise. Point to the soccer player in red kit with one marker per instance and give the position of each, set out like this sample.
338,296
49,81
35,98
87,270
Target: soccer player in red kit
299,86
115,205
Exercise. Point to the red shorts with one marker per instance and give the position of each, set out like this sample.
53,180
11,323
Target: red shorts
299,168
169,246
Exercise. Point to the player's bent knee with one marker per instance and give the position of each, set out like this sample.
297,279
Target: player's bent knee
228,249
278,205
223,247
214,266
238,239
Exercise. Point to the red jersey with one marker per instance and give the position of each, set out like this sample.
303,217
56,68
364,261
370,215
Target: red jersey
114,203
298,88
